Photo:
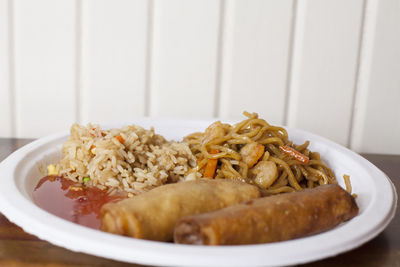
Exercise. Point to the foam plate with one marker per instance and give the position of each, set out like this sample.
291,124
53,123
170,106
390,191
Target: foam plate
377,201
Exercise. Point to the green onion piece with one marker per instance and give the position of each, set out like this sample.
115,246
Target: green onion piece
86,179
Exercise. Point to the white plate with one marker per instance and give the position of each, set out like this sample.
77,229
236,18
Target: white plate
377,201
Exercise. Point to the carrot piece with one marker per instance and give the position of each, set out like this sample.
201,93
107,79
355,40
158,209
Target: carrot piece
211,166
294,154
120,139
97,135
199,160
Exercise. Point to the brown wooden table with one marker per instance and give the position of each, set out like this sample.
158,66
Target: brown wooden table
18,248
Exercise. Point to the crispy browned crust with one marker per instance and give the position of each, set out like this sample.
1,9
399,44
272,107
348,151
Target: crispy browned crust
270,219
152,215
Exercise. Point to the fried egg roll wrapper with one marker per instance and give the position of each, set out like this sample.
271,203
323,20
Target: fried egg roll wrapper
270,219
152,215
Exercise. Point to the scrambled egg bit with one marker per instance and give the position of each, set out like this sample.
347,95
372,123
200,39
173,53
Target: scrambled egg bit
51,170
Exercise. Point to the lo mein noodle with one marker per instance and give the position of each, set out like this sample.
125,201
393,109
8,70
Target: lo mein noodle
256,152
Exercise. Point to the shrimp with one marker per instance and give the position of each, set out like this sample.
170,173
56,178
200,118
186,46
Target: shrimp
251,153
213,131
265,173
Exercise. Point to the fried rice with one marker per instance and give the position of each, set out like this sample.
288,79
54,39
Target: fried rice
132,159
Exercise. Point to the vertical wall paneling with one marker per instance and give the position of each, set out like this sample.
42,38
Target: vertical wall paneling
184,60
325,58
114,59
256,57
5,93
149,56
44,66
376,126
330,67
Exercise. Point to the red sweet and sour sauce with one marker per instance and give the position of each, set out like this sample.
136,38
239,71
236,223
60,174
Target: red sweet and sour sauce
79,204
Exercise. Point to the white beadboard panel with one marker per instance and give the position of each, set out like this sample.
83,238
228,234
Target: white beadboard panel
44,66
113,59
257,37
376,127
184,58
5,98
324,68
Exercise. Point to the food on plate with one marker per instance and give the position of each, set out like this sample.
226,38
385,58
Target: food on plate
135,160
258,153
269,219
152,215
132,181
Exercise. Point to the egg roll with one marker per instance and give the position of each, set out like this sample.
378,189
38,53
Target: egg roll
152,215
270,219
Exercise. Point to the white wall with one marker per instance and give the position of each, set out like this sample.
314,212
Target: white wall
331,67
